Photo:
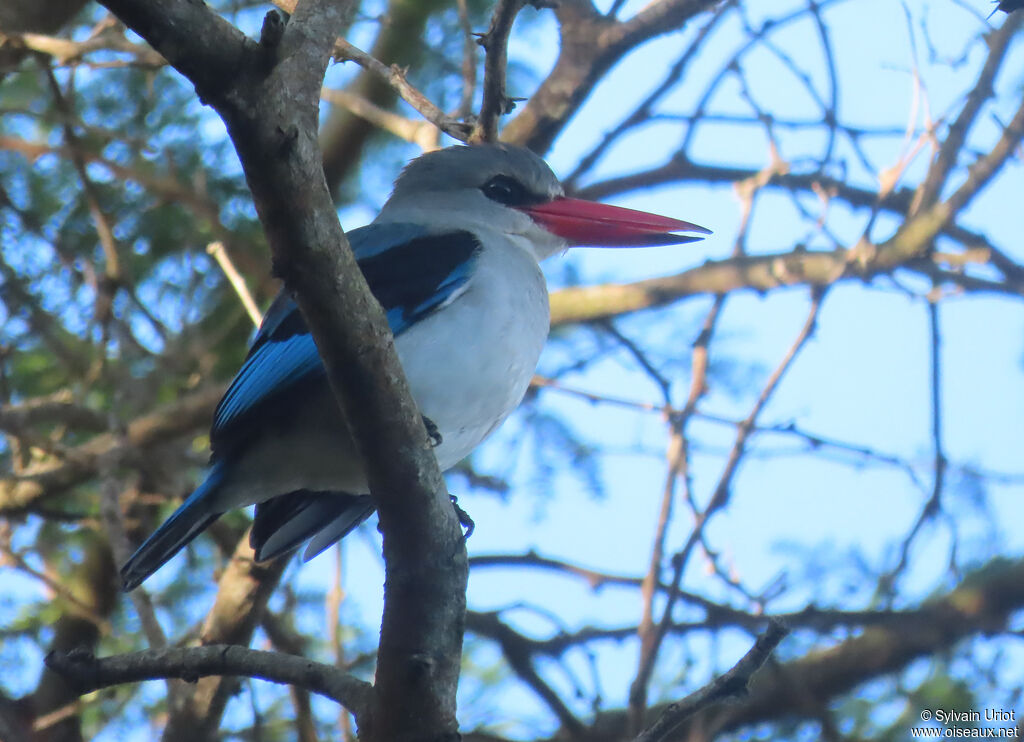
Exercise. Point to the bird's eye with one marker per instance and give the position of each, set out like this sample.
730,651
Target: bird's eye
505,190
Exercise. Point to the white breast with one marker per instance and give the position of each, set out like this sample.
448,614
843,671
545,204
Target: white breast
470,363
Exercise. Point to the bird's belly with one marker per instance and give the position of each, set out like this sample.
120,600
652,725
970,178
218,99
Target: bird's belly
307,447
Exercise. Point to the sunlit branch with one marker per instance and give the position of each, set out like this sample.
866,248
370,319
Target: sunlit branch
219,253
421,132
108,39
395,77
763,273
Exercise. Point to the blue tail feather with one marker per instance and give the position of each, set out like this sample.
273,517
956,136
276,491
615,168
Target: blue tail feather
187,522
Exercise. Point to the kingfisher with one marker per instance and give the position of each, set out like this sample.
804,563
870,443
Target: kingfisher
454,259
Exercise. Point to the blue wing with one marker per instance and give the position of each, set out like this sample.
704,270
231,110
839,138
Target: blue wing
410,272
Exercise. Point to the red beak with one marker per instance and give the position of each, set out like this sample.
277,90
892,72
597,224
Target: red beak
599,225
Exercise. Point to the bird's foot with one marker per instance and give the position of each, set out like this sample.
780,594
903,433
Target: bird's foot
436,439
464,520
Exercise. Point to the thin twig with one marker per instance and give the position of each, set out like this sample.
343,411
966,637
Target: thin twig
722,490
395,77
732,684
417,131
496,102
651,635
75,604
952,147
216,249
933,505
469,45
678,469
718,500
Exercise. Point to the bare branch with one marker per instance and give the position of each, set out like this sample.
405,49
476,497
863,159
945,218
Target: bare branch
732,684
983,602
590,44
395,77
948,154
344,136
243,590
421,132
496,102
465,109
67,51
518,652
88,673
763,273
58,408
220,254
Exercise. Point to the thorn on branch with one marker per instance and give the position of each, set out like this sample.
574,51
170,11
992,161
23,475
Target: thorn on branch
496,102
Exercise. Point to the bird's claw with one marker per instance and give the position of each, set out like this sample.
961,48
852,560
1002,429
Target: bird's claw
464,520
436,439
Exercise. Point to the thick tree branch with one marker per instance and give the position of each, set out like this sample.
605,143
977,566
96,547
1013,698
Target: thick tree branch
88,673
519,652
242,594
591,44
762,273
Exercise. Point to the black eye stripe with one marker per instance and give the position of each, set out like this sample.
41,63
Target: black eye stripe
506,190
